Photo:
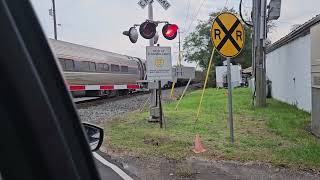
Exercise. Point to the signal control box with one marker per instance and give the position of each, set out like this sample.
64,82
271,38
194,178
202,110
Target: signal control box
315,79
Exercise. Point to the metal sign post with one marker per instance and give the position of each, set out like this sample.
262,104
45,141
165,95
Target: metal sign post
230,119
228,37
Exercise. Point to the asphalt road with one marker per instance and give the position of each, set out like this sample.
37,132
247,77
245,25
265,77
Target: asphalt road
106,172
109,169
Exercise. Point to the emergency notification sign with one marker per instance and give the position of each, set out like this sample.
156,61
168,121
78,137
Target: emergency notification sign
159,63
228,35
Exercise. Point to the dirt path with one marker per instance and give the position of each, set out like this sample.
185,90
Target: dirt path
194,169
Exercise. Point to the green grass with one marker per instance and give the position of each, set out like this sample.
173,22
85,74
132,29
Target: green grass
275,134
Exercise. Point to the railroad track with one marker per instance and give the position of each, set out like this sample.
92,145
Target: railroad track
79,100
101,110
86,102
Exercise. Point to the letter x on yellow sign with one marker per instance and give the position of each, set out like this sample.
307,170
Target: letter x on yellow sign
228,35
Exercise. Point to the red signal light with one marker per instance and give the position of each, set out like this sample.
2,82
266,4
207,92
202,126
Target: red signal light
170,31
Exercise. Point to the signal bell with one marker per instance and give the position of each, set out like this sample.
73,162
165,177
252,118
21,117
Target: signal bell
148,30
133,34
170,31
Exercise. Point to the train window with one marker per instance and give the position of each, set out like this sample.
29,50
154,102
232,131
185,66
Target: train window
62,64
115,68
101,67
92,66
68,65
133,70
124,68
81,66
106,67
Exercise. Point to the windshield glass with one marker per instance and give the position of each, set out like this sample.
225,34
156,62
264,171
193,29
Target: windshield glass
193,89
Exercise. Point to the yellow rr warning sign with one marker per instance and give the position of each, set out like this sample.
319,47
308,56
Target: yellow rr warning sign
228,35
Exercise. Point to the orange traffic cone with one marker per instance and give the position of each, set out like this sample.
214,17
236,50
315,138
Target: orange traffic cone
198,148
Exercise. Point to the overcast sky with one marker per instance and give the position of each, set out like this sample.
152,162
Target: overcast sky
100,23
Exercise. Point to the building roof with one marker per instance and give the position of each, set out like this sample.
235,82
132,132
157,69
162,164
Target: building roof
300,31
247,71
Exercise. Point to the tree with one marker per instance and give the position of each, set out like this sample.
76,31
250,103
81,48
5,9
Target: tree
198,45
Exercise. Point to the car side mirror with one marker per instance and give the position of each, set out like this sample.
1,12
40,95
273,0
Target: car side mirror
94,135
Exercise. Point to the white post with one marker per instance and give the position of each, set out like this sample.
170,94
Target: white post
184,92
153,99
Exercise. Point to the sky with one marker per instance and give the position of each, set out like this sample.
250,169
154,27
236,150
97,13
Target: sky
100,23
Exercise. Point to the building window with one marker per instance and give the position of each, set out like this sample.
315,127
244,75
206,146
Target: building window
124,68
115,68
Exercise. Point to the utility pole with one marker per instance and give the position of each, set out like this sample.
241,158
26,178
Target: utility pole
54,19
259,22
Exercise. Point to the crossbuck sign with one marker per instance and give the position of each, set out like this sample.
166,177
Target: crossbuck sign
228,35
164,3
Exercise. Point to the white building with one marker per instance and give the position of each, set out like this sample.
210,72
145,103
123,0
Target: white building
289,70
221,74
290,64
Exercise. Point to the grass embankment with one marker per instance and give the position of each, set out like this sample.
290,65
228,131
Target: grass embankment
274,135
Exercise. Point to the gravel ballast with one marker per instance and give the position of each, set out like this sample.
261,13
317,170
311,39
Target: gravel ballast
99,113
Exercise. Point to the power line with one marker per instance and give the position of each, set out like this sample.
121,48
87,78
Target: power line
240,12
188,12
225,5
245,6
195,16
197,13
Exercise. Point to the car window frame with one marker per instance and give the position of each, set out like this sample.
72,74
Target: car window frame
41,130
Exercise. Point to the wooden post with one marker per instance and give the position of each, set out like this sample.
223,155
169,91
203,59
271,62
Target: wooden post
160,105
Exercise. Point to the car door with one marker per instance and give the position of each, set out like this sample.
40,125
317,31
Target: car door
40,133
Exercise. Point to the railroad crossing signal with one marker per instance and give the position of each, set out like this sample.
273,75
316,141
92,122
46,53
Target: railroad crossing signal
228,35
148,30
164,3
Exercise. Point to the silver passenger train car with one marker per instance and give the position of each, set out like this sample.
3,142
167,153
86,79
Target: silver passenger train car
96,72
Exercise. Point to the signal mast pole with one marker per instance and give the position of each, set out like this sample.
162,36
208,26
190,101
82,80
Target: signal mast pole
154,109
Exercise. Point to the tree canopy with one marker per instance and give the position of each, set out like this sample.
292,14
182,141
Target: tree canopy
198,45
